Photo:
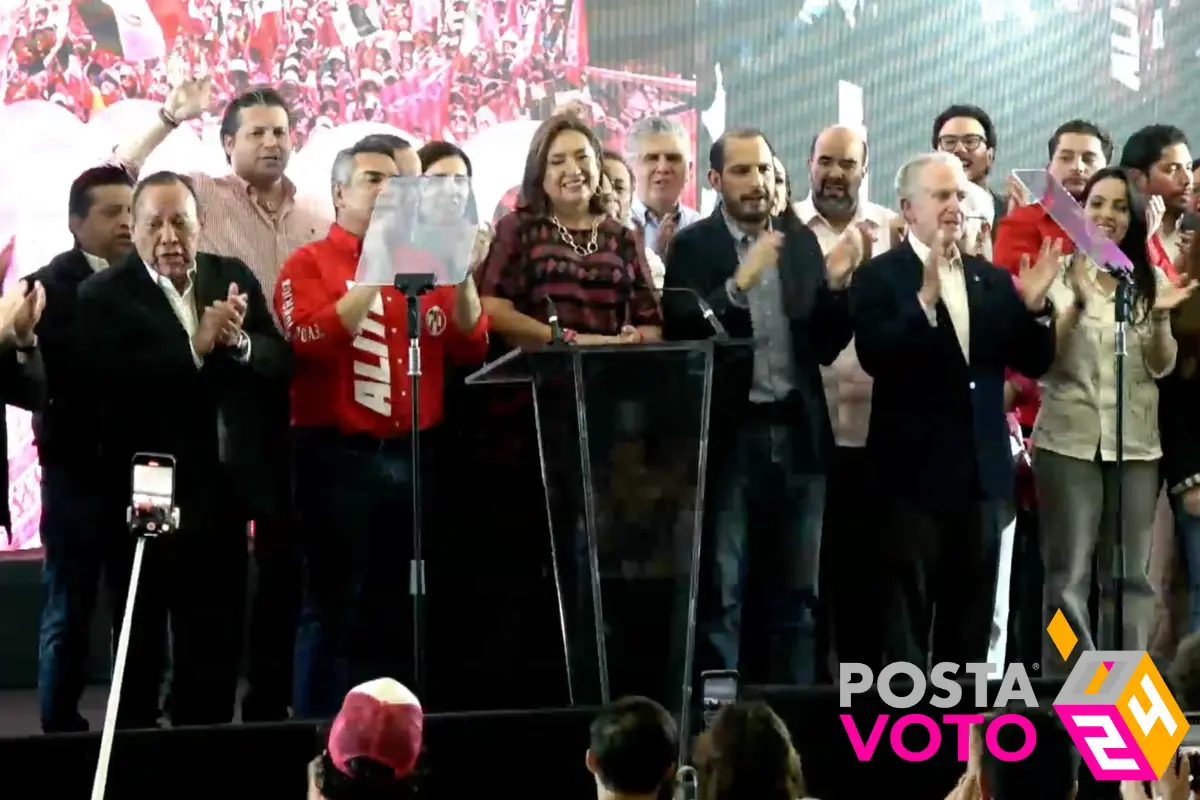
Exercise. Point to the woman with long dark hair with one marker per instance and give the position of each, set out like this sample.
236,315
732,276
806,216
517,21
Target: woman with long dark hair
560,244
1075,433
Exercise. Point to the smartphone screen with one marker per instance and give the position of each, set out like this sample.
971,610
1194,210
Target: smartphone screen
153,485
718,689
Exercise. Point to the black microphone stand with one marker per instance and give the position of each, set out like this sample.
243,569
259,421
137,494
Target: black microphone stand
1124,301
412,287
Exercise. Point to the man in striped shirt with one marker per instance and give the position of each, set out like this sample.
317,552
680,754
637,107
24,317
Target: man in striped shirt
253,214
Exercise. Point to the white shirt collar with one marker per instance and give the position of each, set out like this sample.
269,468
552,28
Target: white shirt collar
95,262
922,251
164,282
806,209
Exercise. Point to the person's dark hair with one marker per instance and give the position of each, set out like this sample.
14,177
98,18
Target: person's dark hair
1145,147
1083,128
389,140
634,743
750,755
164,178
1145,284
973,112
231,120
1049,771
716,153
789,216
533,199
432,152
79,200
369,780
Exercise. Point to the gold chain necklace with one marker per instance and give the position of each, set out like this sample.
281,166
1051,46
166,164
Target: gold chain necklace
567,238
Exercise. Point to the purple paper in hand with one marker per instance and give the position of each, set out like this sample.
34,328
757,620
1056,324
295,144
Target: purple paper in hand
1066,211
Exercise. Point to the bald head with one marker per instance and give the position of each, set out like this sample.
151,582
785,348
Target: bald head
836,165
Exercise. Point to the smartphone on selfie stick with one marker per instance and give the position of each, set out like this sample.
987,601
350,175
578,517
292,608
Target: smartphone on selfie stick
151,513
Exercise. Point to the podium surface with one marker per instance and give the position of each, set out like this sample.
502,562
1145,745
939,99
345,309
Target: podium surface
623,442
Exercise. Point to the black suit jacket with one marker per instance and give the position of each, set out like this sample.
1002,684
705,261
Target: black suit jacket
24,386
1179,415
65,428
938,429
703,258
152,397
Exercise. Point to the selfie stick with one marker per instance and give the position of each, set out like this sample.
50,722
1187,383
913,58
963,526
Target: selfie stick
412,287
142,525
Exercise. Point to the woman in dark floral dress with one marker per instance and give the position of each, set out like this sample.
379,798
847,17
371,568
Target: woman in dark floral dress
560,244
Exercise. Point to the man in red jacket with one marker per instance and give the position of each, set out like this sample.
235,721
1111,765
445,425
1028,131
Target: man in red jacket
351,411
1076,151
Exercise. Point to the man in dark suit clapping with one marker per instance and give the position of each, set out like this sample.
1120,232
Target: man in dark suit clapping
770,435
180,346
77,548
936,329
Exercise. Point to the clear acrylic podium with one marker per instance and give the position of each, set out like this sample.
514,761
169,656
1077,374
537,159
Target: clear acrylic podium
623,441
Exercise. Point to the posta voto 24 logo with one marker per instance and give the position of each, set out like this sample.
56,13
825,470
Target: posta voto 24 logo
1118,710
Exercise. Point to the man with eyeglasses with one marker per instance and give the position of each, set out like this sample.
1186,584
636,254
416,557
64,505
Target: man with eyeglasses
967,133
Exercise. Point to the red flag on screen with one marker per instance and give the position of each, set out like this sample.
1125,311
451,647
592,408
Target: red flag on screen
577,43
125,28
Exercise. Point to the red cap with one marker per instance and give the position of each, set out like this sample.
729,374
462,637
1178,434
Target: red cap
381,720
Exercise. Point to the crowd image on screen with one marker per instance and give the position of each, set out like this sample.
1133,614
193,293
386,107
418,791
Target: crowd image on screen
804,437
437,70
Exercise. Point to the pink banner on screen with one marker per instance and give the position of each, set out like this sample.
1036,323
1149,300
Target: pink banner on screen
80,80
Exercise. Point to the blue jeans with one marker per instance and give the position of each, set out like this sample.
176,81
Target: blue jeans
77,550
1187,529
355,507
761,488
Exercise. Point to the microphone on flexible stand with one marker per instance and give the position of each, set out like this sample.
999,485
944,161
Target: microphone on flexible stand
706,311
556,331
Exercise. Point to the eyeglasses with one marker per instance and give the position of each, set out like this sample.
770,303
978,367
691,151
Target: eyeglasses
969,142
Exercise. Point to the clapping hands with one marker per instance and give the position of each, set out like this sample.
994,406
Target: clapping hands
1036,279
221,323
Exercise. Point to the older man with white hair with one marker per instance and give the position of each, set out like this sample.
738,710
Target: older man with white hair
936,328
659,153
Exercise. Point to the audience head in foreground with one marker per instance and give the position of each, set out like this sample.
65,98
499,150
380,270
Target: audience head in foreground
1048,772
373,745
749,755
633,747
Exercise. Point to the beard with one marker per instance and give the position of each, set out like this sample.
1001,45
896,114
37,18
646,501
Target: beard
739,210
835,205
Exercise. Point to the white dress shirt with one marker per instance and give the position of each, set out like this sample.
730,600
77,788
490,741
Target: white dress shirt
954,294
97,263
183,304
847,385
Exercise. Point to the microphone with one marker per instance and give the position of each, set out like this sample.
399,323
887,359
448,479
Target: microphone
706,311
556,331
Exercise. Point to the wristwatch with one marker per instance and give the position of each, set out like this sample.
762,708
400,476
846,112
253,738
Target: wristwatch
243,345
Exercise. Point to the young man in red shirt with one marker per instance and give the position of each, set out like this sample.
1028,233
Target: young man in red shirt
351,412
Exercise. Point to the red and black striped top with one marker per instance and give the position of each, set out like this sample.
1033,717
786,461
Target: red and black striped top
597,293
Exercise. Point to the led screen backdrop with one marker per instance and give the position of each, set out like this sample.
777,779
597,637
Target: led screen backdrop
793,66
81,75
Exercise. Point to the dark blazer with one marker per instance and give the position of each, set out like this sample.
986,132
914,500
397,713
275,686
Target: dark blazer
65,429
1179,414
703,258
152,398
24,386
937,427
